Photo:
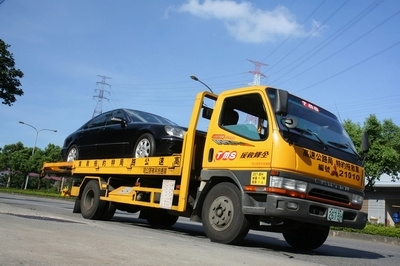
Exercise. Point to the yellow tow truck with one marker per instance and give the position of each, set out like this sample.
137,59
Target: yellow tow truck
268,161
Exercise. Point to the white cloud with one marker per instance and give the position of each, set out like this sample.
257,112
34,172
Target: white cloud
247,23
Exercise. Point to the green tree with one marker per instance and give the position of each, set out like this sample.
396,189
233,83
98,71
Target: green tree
9,76
20,161
14,157
384,153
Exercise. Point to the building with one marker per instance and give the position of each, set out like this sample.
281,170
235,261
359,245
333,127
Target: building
383,203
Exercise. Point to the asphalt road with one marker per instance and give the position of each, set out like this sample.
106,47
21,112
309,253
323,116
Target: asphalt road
43,231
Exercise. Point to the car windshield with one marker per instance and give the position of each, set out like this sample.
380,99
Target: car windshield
315,123
144,117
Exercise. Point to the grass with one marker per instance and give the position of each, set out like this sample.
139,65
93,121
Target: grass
373,229
370,229
42,193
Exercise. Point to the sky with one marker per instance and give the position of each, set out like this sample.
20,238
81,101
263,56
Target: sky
341,55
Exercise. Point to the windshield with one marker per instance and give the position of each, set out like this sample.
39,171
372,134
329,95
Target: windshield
144,117
313,122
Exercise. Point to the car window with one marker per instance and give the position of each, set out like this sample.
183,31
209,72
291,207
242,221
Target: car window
97,121
144,117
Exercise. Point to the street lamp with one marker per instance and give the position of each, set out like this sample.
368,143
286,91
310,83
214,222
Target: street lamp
34,145
196,79
37,133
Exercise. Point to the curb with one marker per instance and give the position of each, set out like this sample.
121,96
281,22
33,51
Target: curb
365,237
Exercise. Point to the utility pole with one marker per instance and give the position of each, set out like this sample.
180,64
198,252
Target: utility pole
99,105
257,72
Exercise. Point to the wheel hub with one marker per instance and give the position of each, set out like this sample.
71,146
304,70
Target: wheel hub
221,213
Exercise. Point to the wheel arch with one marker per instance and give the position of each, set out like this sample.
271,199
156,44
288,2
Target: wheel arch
102,185
137,135
65,152
211,179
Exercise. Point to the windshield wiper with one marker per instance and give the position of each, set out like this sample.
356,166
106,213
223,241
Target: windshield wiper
339,145
312,133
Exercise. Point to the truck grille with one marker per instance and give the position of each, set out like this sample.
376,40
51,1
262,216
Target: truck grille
327,195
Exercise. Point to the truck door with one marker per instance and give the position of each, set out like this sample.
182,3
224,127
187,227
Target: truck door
239,137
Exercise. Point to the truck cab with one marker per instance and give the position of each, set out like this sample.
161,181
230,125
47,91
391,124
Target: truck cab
295,167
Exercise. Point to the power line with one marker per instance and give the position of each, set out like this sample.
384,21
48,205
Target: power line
351,67
312,52
308,37
344,47
297,28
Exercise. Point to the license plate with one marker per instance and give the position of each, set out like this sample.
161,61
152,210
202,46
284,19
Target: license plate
335,215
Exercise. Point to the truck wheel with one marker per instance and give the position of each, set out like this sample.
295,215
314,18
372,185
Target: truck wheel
91,205
306,236
160,218
222,216
73,153
77,206
109,211
145,146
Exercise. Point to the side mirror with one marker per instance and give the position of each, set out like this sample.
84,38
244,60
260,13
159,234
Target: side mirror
365,142
281,102
207,112
118,120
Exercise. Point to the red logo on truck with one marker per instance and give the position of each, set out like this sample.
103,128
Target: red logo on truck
226,155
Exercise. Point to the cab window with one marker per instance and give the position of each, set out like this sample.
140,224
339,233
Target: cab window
246,116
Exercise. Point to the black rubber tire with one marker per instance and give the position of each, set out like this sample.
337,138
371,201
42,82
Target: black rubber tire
145,146
109,211
72,154
306,236
222,216
91,205
77,206
160,218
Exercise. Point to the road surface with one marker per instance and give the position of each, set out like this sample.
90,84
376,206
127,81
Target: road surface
44,231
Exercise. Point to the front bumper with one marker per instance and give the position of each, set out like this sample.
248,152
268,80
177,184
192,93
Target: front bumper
278,206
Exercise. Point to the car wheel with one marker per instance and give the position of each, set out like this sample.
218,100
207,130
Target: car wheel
145,146
73,153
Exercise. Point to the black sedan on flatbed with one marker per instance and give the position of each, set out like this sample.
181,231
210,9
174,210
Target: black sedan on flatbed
124,133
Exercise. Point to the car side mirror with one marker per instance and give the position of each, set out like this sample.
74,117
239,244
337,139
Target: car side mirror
118,120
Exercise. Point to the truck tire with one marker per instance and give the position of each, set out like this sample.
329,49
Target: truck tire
77,206
306,236
109,211
91,205
145,146
160,218
222,216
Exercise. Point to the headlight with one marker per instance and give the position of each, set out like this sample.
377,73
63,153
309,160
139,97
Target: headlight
175,132
357,199
289,184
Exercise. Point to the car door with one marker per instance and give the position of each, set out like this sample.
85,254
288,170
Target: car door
112,137
88,137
